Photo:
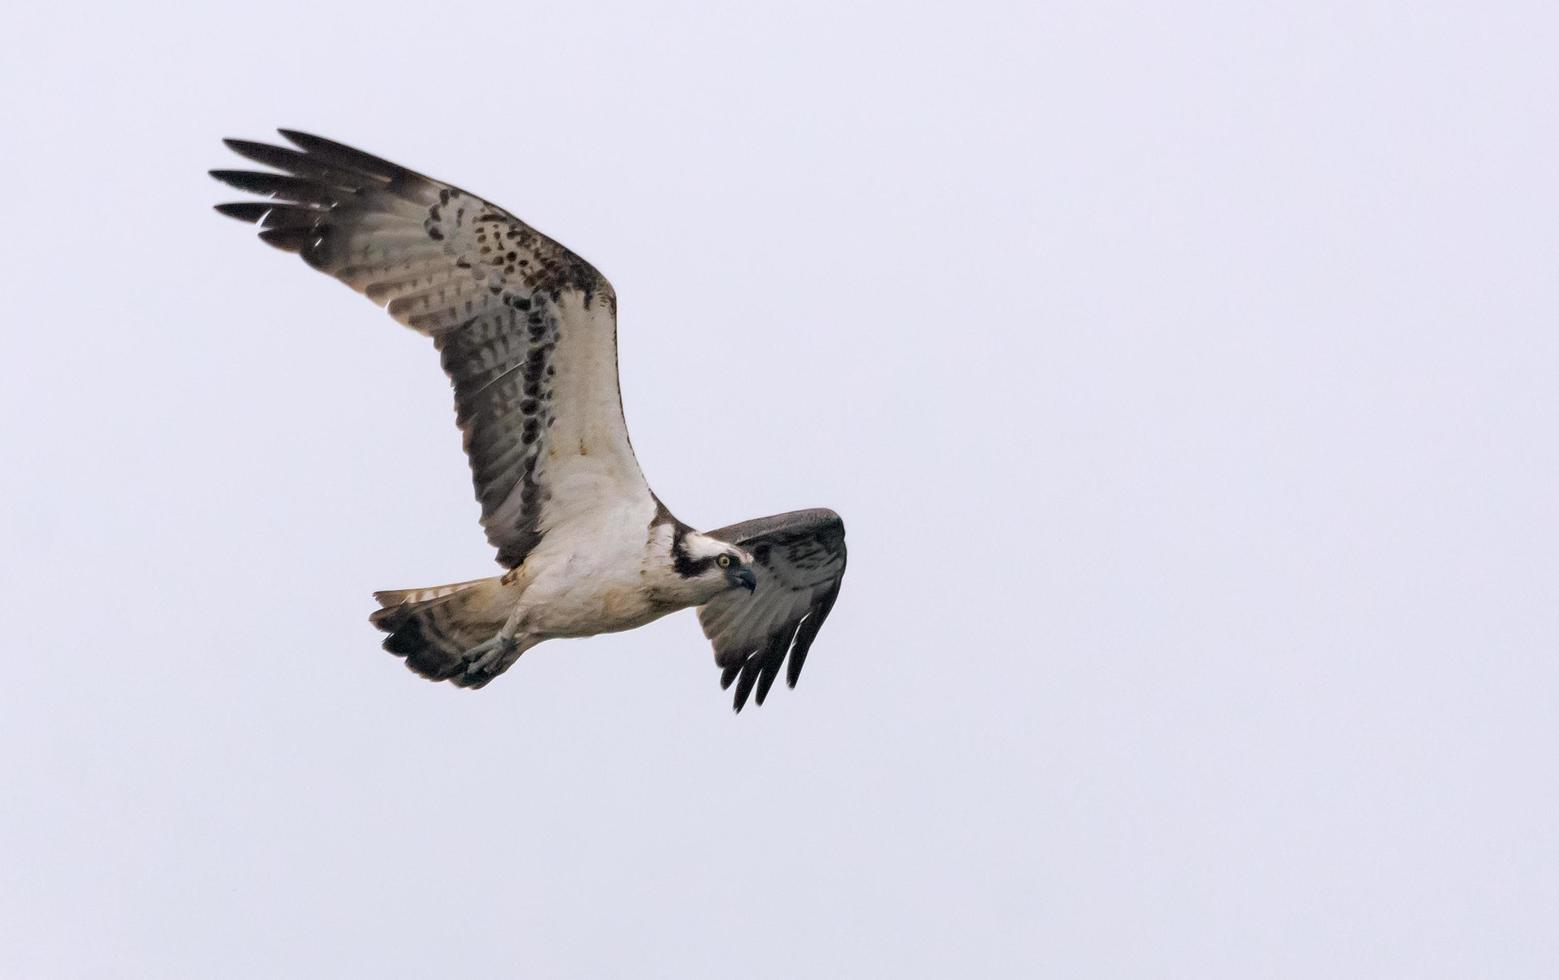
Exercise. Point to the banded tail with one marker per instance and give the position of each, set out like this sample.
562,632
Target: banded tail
438,630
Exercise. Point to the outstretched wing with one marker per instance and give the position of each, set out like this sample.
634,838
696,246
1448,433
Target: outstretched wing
526,329
799,559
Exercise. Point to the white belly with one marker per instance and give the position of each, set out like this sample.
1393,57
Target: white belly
593,579
593,611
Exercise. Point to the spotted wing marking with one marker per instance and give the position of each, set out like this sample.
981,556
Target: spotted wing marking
496,296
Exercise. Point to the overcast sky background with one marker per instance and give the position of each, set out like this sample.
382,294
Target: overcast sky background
1187,376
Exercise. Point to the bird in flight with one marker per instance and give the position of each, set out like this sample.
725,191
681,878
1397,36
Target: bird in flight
527,333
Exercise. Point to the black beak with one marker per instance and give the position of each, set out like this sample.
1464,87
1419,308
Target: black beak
745,578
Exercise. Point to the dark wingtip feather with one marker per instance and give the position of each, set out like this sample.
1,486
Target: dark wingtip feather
744,686
798,657
808,632
244,180
296,190
284,158
289,239
250,211
769,662
350,158
307,142
765,680
260,152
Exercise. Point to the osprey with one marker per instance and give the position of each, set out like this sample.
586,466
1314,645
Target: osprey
527,333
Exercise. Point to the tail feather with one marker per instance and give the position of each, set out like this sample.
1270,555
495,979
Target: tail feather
435,629
397,597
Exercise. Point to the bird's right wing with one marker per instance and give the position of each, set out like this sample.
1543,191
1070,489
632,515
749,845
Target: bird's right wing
526,329
799,561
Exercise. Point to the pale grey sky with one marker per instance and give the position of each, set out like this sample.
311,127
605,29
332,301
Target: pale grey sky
1187,376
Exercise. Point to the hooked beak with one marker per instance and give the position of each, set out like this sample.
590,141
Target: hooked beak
745,578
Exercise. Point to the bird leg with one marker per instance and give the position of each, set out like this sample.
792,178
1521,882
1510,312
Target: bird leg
492,657
485,657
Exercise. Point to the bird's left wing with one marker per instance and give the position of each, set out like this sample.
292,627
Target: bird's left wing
526,329
799,560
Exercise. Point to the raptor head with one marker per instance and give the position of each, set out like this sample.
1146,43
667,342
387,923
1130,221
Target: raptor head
714,564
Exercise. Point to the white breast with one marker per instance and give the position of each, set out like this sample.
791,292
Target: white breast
596,574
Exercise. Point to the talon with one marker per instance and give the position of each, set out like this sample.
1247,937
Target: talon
490,654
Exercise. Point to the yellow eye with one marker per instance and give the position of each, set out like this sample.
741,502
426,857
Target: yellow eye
724,561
